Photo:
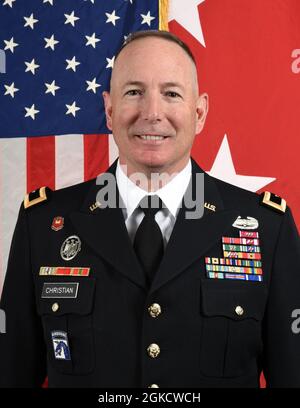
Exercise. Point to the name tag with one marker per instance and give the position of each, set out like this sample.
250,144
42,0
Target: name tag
60,290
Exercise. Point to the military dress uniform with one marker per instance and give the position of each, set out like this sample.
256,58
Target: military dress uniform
218,311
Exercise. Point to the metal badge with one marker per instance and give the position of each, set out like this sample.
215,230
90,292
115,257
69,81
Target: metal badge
70,247
57,223
248,223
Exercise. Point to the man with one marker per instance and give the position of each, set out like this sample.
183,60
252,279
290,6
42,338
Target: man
126,295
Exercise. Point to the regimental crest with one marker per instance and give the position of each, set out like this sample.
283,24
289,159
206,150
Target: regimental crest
57,223
61,345
70,247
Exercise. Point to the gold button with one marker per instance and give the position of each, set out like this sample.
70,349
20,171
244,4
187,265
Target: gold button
153,350
55,307
154,310
239,310
153,386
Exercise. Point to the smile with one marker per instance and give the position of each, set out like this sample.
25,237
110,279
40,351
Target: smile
154,138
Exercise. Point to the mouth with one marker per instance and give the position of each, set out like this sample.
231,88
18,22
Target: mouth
153,139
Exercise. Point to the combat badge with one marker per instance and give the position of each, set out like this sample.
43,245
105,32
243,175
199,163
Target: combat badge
245,223
61,345
70,247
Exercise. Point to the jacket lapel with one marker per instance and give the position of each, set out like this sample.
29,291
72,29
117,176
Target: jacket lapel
191,238
104,230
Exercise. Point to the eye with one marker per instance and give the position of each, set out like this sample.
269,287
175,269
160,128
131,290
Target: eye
173,94
134,92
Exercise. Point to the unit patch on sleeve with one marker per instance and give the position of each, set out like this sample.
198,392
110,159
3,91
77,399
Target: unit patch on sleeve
61,345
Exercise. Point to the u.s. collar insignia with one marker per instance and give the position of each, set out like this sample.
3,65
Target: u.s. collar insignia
57,223
245,223
70,247
94,206
210,206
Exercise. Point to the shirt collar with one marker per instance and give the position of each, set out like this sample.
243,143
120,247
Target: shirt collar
171,194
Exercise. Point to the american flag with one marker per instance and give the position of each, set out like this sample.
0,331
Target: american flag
59,59
56,60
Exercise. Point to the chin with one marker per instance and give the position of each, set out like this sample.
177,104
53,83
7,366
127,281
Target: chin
153,164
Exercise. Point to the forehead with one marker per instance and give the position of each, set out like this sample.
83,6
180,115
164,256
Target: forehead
153,56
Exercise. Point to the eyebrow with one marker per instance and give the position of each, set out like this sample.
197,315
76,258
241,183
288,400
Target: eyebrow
142,84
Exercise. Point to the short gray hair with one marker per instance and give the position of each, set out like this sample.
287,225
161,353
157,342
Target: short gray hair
166,35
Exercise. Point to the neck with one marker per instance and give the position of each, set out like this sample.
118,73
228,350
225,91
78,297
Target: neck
151,179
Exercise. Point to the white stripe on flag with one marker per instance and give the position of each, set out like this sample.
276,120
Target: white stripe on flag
13,189
113,150
69,160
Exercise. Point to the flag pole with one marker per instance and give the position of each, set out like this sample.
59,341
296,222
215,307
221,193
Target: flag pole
163,14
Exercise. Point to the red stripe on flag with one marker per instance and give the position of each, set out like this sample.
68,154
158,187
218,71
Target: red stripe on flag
96,155
40,162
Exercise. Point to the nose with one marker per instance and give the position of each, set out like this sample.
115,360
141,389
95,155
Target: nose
151,107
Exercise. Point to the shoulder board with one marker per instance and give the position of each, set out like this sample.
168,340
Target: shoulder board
36,197
273,201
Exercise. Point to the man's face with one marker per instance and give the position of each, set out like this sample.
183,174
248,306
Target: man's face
153,109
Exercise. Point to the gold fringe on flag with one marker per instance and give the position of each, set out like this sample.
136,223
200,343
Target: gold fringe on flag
163,14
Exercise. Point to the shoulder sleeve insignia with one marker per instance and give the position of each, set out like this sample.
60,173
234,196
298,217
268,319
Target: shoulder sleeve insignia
274,201
36,196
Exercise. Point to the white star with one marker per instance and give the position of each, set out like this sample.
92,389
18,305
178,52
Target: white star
92,40
48,1
70,19
186,14
92,1
92,85
72,64
10,45
51,42
8,3
31,66
111,18
72,109
31,112
10,89
30,21
130,1
51,88
110,62
147,18
223,169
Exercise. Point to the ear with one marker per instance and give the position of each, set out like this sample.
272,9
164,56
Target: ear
201,111
108,109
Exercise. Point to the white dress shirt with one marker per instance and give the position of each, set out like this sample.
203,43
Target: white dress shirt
171,195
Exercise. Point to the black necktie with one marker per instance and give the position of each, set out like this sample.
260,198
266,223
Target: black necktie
148,242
